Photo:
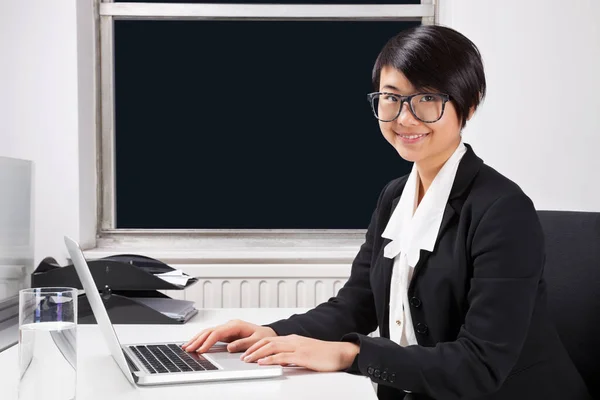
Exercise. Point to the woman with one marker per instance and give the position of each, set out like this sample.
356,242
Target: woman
451,268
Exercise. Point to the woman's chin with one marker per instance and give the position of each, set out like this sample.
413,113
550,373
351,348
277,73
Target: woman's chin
410,155
411,151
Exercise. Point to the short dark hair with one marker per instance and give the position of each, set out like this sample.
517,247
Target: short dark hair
434,57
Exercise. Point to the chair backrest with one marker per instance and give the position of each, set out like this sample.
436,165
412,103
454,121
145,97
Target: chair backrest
572,274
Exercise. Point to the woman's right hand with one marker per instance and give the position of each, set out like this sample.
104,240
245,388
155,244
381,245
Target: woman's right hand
239,334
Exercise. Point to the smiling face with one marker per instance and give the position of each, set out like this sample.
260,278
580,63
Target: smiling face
416,141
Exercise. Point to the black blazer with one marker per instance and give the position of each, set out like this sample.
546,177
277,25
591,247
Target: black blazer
478,302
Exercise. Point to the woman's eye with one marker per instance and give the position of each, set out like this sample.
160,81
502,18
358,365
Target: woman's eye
427,98
390,99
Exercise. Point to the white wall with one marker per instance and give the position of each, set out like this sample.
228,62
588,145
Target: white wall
47,113
540,124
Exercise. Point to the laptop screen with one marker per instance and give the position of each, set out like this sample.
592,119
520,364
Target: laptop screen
98,308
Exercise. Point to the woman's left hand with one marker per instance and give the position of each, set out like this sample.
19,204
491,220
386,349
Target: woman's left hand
314,354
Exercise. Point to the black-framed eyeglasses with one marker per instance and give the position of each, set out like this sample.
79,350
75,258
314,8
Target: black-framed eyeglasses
426,107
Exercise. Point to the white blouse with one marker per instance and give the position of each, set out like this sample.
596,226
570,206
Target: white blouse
412,231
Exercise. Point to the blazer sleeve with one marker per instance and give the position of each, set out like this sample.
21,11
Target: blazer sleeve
508,257
352,310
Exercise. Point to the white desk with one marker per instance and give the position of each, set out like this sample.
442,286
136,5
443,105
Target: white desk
99,378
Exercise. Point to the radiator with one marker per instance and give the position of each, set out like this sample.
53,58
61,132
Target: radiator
260,286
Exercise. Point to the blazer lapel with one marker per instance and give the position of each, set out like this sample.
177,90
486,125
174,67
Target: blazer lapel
449,214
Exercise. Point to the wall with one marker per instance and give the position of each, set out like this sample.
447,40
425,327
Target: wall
540,124
47,113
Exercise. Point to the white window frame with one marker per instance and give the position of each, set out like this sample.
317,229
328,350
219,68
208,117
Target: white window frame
287,245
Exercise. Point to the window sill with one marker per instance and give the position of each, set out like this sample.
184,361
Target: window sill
248,247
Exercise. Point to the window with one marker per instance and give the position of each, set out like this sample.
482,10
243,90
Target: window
223,117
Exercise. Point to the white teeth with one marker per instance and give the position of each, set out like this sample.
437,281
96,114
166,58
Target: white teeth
414,136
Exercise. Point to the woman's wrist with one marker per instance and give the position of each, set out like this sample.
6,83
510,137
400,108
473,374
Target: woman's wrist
349,352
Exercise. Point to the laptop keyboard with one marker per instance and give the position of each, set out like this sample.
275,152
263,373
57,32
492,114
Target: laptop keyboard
169,358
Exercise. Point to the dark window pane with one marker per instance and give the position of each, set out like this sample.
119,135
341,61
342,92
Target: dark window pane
276,1
261,125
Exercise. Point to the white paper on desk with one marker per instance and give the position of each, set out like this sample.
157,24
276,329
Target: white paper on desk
175,277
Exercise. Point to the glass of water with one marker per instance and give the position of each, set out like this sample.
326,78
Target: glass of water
47,343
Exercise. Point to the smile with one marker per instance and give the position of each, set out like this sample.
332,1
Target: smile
412,138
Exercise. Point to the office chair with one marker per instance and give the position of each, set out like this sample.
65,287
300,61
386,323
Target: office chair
572,274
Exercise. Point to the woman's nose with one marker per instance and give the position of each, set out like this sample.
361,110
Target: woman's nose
406,118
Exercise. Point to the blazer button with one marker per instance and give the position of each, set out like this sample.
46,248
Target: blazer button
392,377
415,302
422,328
377,373
384,375
370,370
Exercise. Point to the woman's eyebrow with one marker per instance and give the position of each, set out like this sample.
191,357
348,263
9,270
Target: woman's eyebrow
391,87
401,92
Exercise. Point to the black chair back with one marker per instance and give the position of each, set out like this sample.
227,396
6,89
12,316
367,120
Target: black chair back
572,273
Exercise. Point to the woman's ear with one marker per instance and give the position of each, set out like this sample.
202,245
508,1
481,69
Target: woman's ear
472,109
471,112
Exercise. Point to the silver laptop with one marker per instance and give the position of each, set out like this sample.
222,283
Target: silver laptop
163,363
